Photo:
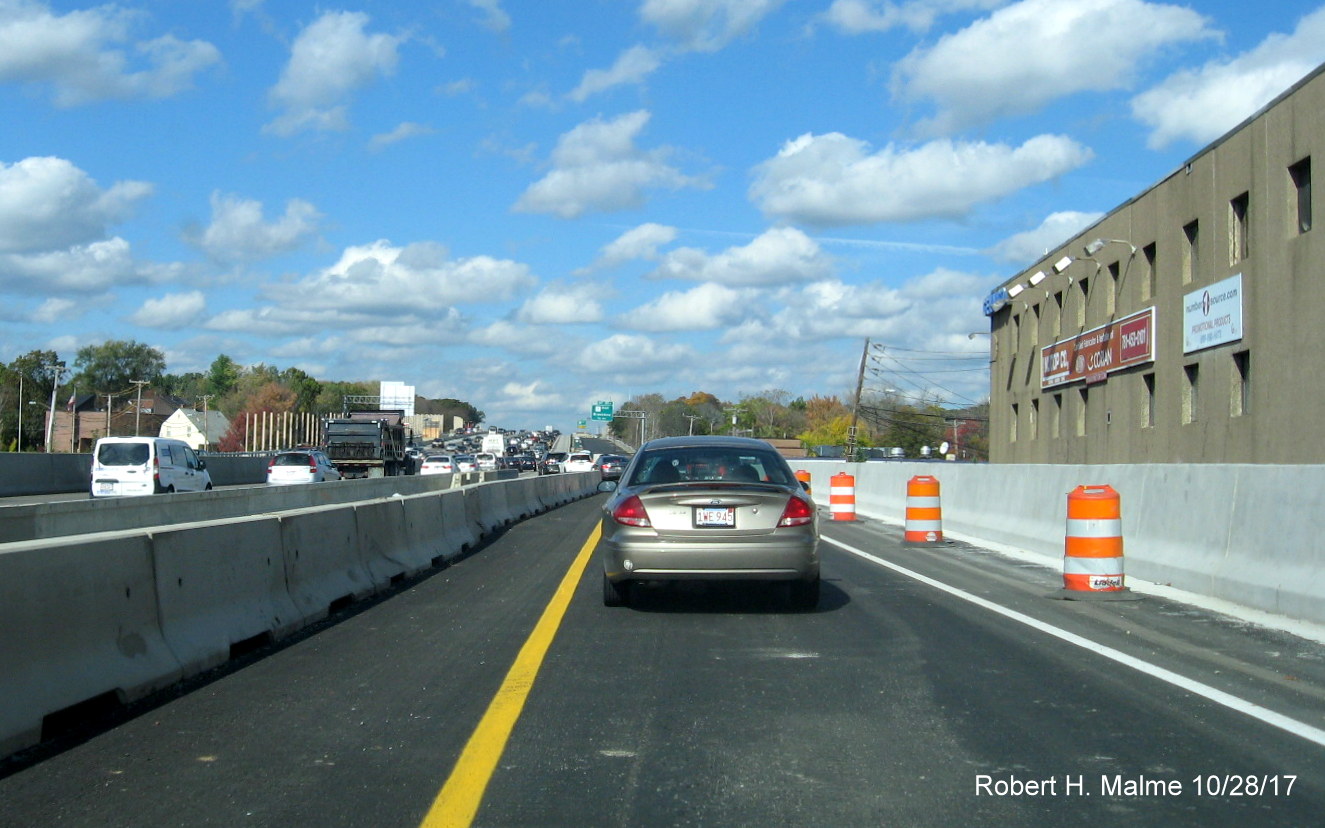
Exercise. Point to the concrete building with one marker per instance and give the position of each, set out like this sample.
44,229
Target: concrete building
1183,326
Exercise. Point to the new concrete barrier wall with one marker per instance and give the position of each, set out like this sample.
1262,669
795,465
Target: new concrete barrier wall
75,517
78,621
220,584
124,613
323,562
1247,534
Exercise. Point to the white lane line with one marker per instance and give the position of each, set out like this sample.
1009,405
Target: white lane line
1270,717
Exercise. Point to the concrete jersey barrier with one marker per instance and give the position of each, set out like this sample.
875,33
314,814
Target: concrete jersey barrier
116,615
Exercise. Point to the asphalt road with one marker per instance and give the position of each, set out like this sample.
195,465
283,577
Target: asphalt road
940,686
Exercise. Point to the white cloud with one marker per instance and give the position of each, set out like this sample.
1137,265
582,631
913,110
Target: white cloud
910,316
782,255
82,269
706,25
171,312
635,356
239,233
404,132
381,279
75,54
597,167
329,60
704,307
632,66
56,309
862,16
1024,248
562,304
49,204
835,180
495,17
525,340
1202,104
987,71
640,242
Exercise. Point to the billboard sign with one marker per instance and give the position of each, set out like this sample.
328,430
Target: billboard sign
1213,315
1093,355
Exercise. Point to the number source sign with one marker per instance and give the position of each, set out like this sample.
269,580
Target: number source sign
1093,355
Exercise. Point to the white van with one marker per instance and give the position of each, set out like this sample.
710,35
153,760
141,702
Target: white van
125,466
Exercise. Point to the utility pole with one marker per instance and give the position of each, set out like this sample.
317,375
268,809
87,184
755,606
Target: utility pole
855,406
206,438
138,407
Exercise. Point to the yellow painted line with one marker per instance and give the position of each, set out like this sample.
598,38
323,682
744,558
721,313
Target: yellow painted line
459,799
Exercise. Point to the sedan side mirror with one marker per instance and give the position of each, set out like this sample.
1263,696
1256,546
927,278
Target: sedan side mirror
607,486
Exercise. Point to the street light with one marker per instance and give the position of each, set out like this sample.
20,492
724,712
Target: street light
1098,245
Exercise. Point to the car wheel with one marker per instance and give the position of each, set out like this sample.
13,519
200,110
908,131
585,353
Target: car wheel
804,595
615,594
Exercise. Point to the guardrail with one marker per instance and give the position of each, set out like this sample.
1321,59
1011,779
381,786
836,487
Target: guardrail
110,616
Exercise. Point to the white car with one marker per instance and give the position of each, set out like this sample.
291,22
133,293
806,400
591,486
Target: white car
465,463
487,461
146,465
578,461
301,466
437,464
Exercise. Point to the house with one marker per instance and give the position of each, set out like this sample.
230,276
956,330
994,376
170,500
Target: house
200,430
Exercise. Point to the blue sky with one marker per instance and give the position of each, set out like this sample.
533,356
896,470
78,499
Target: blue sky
533,205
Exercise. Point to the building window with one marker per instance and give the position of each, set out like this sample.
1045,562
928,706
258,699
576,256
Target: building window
1191,376
1083,293
1034,424
1111,290
1190,262
1148,401
1083,400
1012,434
1301,175
1055,425
1238,247
1148,278
1241,397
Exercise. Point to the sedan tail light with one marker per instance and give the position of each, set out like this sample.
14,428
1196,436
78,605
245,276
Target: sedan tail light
631,512
797,513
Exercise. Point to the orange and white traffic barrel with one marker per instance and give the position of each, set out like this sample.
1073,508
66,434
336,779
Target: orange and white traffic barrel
924,511
803,477
842,496
1093,550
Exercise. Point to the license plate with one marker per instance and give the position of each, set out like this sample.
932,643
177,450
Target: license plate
105,487
708,516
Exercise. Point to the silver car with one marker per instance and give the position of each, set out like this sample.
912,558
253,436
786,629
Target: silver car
725,508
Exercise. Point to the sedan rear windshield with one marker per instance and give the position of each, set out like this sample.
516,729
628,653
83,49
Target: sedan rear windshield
292,459
687,465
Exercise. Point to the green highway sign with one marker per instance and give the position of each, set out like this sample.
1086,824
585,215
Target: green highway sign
602,411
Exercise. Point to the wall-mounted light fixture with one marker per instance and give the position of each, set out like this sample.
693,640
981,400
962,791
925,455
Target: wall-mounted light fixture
1014,290
1062,264
1037,277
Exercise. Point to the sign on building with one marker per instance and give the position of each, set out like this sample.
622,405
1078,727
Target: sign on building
1093,355
1213,315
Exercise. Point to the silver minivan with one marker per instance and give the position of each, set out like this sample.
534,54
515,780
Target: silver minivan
128,466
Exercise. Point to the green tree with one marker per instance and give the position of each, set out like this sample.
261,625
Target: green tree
111,368
27,383
222,376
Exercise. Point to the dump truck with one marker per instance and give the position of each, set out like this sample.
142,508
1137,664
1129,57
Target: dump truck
368,443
